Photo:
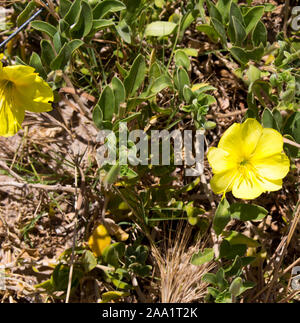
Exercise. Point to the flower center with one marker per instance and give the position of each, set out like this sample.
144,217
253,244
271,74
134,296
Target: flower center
244,162
6,87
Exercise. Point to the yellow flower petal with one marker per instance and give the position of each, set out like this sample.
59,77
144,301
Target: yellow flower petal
20,75
247,186
232,140
99,240
240,140
269,185
21,89
36,96
251,131
223,182
10,117
272,167
270,143
220,160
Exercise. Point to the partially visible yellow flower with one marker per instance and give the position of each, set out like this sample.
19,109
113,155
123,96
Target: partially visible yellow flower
21,89
99,240
249,161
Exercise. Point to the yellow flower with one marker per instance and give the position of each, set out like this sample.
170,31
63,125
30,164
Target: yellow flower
99,240
21,89
248,161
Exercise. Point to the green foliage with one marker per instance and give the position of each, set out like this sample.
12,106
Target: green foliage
148,81
239,26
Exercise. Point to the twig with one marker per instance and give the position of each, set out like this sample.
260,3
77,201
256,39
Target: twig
11,172
226,115
77,205
57,187
290,142
286,16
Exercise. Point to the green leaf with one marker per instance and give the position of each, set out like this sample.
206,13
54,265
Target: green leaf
187,19
236,238
64,55
63,27
36,62
210,32
26,13
119,93
234,12
107,6
181,80
89,261
74,12
235,268
44,27
292,126
247,212
256,54
231,251
239,54
188,94
108,297
253,73
136,76
124,31
112,175
60,277
107,103
259,35
224,297
121,285
224,6
268,120
210,279
235,287
218,26
113,253
213,292
84,24
102,23
64,7
161,83
181,59
160,28
98,116
201,258
221,281
252,17
213,11
278,118
245,286
262,90
47,53
239,30
57,42
222,216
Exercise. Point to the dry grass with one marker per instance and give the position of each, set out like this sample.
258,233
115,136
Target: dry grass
180,281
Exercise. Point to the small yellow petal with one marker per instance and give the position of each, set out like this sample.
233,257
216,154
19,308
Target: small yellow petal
251,131
231,140
220,160
20,75
223,182
247,186
36,97
99,240
270,143
11,117
272,167
270,185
